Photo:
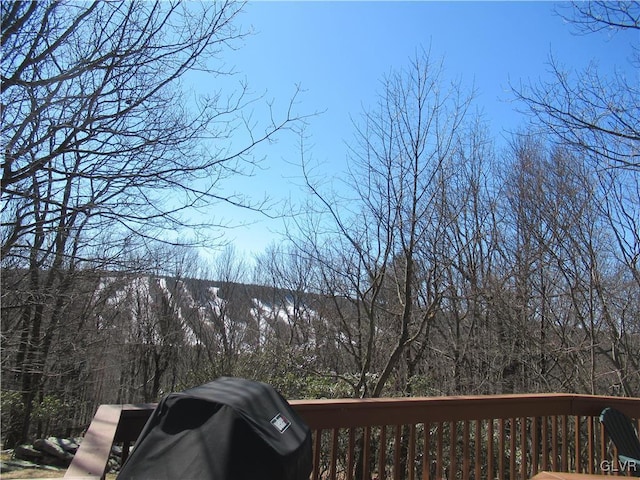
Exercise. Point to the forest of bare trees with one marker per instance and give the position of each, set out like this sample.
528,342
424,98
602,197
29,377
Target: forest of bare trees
443,265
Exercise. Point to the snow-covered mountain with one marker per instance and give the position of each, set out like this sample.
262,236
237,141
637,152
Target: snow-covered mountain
157,310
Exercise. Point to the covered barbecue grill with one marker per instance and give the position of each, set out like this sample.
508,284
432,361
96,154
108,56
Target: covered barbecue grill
229,429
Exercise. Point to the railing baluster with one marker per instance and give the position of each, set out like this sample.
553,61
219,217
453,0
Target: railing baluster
397,450
453,435
333,456
350,452
577,445
603,445
590,446
366,453
439,460
554,442
382,456
317,448
565,443
478,450
466,461
501,448
490,475
536,425
411,455
426,455
512,448
523,448
545,444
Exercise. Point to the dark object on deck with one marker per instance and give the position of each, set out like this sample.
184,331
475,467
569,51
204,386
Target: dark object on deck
229,429
620,429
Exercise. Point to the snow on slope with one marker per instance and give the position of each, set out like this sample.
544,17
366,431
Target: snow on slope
153,309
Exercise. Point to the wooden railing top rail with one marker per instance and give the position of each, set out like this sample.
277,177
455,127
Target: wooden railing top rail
399,411
123,423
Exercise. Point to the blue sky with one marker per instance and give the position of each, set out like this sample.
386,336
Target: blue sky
338,53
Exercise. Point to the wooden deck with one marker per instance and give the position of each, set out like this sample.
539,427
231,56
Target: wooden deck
504,436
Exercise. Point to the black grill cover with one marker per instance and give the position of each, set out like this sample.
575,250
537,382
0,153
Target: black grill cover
229,429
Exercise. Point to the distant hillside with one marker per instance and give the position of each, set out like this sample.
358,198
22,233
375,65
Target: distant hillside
198,312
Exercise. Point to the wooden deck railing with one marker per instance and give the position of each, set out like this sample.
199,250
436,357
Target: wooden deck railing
470,437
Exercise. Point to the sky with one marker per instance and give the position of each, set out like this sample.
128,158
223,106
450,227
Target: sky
338,53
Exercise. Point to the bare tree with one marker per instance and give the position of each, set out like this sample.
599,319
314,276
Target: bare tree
602,15
229,312
375,245
572,289
101,151
597,115
291,283
530,281
468,244
94,122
